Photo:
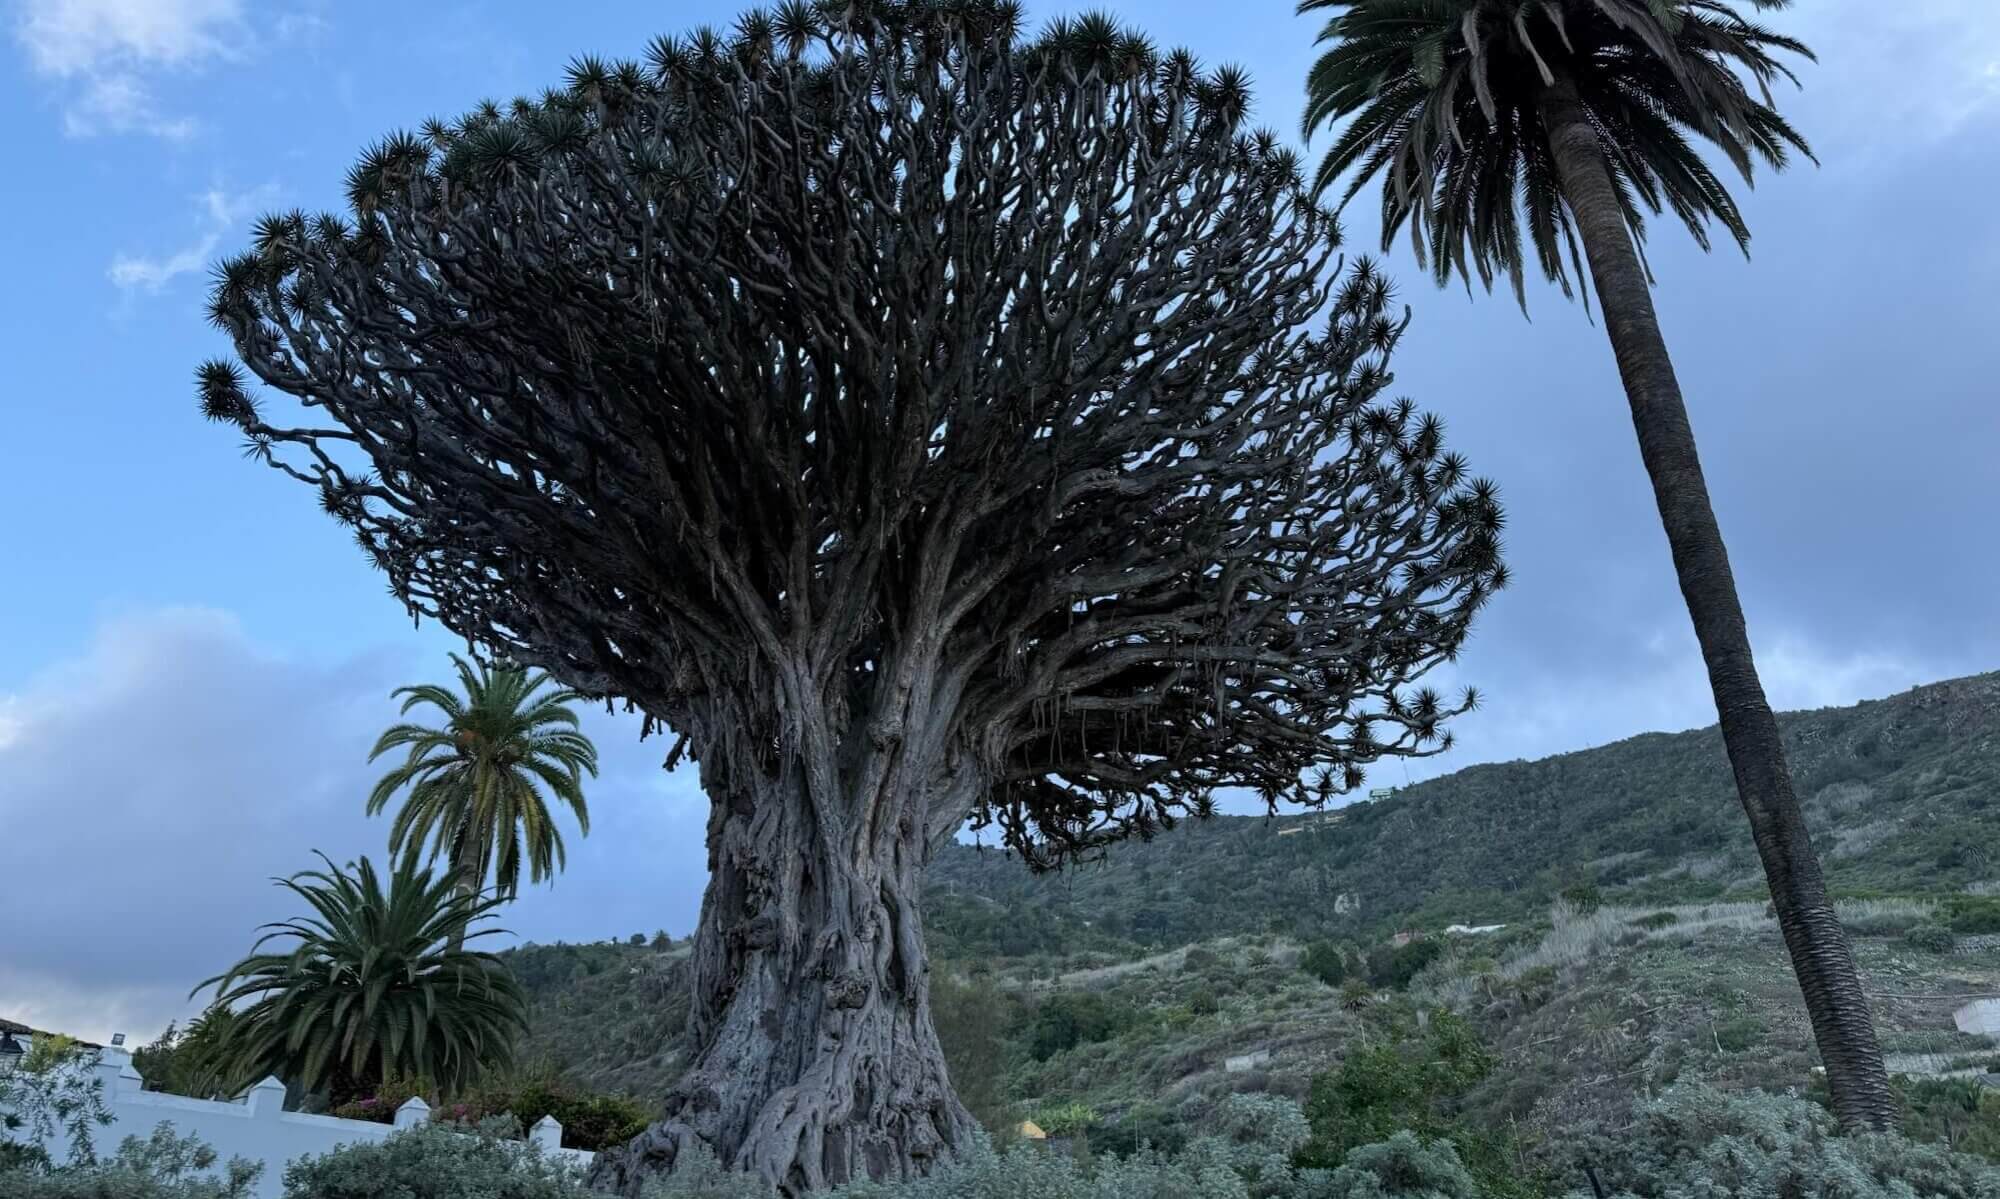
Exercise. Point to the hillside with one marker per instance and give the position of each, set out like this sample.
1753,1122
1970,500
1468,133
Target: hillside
1146,986
1901,793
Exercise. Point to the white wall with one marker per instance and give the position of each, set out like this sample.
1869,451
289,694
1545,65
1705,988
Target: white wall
256,1126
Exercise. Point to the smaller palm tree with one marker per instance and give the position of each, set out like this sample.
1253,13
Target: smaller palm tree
190,1060
375,984
475,784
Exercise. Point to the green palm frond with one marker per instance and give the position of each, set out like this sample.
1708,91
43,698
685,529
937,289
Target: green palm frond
1445,103
374,983
470,785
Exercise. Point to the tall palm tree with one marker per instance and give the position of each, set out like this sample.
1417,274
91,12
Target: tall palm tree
476,782
1574,119
374,984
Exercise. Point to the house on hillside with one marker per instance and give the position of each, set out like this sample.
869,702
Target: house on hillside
1312,821
16,1039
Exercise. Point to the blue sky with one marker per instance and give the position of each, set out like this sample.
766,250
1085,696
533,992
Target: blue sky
195,660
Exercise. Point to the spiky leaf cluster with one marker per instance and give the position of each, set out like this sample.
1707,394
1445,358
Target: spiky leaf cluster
873,366
368,986
1447,102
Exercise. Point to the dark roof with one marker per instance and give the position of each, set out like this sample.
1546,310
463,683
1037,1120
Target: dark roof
14,1028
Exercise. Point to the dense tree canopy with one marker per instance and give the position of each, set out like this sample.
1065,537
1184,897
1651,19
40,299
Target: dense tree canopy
627,381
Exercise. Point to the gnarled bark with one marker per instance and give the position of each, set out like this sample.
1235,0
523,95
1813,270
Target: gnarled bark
814,1059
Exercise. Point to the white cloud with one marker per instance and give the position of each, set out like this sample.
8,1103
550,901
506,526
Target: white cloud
108,52
77,37
1893,76
219,212
10,722
301,28
1660,688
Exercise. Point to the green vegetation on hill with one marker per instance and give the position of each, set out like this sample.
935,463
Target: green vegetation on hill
1133,999
1903,796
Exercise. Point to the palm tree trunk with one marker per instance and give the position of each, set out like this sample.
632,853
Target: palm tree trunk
1841,1021
468,863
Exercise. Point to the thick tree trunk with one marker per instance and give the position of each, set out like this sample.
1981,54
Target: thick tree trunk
1841,1021
814,1059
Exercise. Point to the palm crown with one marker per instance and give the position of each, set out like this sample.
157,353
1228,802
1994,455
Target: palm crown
375,984
1449,100
476,782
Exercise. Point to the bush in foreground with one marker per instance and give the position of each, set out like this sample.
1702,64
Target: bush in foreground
1696,1142
1403,1167
590,1120
436,1161
165,1165
1692,1143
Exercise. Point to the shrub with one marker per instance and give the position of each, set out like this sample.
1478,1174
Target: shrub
1200,958
1324,961
1738,1034
972,1015
698,1175
389,1095
1063,1021
1034,1174
1383,1088
1660,919
1393,966
1411,1084
1973,915
1066,1119
1983,1063
1955,1112
1403,1167
52,1091
435,1162
1693,1141
1583,898
1245,1155
1203,1001
1140,1126
1534,986
1931,937
162,1166
1254,1135
589,1121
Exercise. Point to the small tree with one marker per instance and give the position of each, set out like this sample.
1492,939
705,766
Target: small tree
189,1060
476,783
1325,962
375,984
52,1094
923,425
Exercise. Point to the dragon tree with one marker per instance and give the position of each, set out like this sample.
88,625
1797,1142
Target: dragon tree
921,423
